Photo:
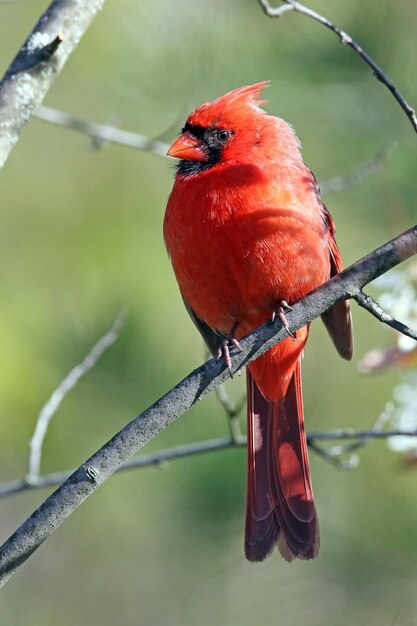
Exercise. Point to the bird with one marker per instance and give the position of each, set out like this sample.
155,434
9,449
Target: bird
248,235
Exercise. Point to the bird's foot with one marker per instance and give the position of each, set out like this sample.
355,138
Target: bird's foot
224,351
279,313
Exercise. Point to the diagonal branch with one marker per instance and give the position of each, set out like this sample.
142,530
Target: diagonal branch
39,60
101,465
292,5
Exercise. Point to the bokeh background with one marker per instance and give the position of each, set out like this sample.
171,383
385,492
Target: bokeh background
81,238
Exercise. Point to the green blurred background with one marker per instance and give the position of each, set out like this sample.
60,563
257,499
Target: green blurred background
81,238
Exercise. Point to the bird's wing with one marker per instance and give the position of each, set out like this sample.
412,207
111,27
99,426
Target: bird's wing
212,339
338,319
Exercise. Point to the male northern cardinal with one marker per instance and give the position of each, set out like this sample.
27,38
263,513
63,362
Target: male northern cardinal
248,235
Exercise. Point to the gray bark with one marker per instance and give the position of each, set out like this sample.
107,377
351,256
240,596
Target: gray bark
37,63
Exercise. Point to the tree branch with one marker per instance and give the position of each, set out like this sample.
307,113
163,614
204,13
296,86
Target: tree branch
377,311
103,132
37,49
51,406
232,411
291,5
101,465
39,60
359,438
145,460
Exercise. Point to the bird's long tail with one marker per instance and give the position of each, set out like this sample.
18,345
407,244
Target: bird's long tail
279,503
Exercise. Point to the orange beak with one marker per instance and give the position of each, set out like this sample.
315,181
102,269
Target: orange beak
188,147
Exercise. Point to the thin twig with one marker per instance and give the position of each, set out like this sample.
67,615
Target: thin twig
159,458
334,459
101,465
377,427
37,63
362,437
104,132
334,454
51,406
351,433
232,411
375,309
99,143
347,40
275,11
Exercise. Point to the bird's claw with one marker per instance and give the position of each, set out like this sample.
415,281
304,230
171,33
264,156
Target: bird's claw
280,313
224,351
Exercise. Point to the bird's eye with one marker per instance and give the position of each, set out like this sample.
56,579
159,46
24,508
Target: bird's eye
222,135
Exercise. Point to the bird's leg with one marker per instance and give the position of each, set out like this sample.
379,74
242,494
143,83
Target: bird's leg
280,313
229,342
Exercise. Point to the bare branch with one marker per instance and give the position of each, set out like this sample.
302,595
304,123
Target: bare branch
374,308
103,132
334,459
85,480
160,458
50,408
351,433
145,460
347,40
40,59
232,411
335,454
275,11
99,143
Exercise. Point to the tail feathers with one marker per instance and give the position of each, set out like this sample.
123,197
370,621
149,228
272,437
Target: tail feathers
262,528
280,505
261,538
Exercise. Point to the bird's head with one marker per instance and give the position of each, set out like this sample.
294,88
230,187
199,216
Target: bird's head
227,130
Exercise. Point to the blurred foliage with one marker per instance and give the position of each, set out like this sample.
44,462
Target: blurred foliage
80,239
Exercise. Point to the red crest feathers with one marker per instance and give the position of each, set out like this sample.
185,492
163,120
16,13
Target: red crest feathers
229,107
248,94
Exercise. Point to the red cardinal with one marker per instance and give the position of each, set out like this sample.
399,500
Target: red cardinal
248,235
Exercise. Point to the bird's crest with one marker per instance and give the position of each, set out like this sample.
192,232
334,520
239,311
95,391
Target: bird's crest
231,107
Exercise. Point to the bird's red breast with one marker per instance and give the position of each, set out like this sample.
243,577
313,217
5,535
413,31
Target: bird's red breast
248,231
